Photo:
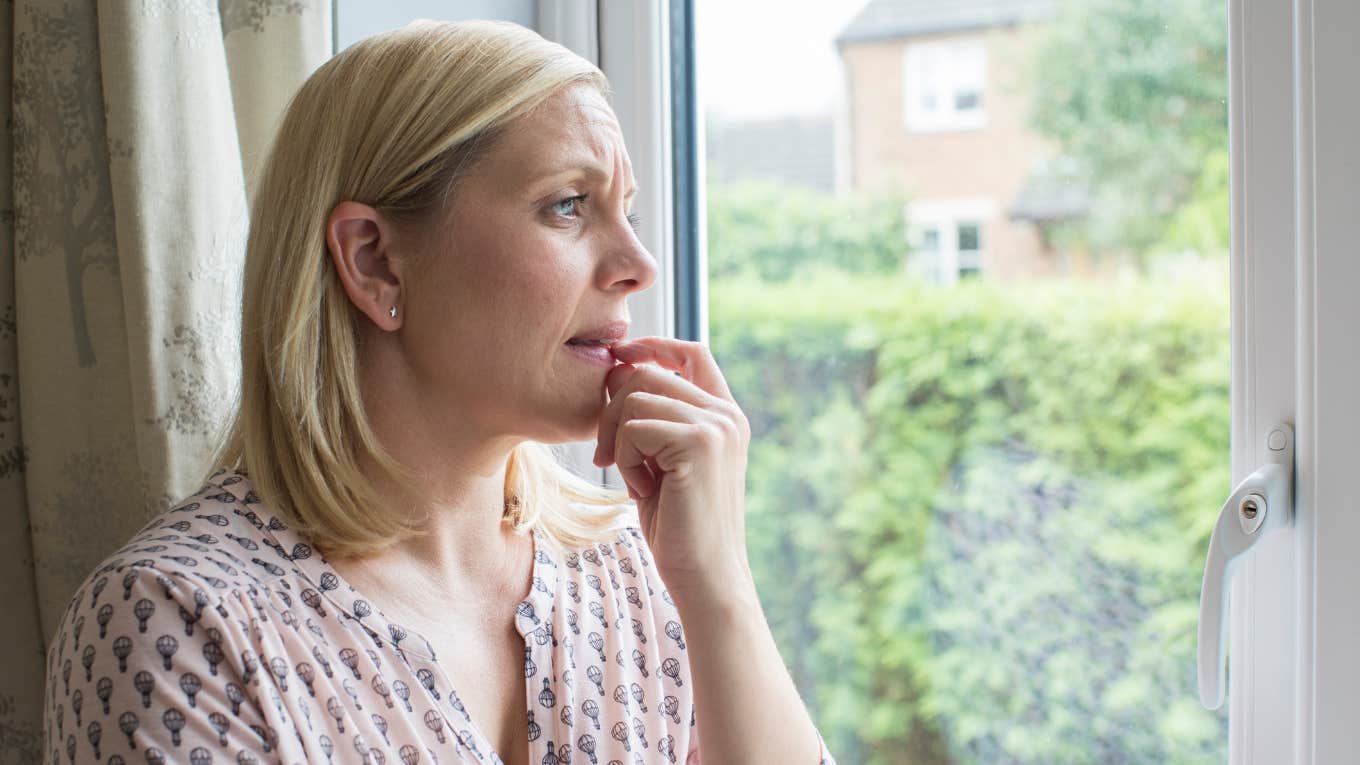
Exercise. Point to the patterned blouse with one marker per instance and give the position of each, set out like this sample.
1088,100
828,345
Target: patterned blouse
219,635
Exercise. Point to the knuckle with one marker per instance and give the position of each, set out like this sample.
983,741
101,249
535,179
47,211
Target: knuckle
709,434
727,427
727,407
729,410
631,406
744,425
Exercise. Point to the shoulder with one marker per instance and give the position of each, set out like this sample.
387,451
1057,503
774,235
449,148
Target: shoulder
205,549
219,536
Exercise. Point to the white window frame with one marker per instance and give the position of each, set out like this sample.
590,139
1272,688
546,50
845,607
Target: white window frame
944,66
945,215
1294,677
1329,363
977,255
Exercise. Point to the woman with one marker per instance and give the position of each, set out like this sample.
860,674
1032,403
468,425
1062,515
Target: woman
436,279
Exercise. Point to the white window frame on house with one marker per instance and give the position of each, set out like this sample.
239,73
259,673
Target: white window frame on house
1294,672
946,216
936,74
968,261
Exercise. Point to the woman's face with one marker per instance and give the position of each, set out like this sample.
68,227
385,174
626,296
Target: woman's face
519,267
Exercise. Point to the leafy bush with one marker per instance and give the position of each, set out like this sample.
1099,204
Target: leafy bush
857,234
977,515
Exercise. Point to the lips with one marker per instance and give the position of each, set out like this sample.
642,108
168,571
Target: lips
600,355
604,334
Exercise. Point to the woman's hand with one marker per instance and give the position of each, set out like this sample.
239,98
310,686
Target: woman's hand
680,444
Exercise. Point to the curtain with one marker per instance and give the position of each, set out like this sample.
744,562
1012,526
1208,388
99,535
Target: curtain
133,131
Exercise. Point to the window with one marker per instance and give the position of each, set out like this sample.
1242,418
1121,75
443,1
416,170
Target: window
970,248
943,84
926,260
356,19
947,237
975,537
930,240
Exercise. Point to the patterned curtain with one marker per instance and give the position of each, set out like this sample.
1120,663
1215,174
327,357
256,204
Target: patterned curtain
132,133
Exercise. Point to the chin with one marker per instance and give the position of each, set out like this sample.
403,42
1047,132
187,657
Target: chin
582,425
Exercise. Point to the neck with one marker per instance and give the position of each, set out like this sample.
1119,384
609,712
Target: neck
457,499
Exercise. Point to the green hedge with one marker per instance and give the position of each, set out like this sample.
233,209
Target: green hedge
977,515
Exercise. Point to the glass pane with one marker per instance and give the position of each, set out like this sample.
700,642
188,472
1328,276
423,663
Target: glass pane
968,237
978,499
930,239
357,19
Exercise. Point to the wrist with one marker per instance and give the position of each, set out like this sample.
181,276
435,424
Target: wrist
731,592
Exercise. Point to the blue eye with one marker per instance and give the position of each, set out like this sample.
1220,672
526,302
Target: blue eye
567,207
570,202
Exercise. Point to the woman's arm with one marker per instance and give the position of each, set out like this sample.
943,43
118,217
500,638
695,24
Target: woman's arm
146,666
745,701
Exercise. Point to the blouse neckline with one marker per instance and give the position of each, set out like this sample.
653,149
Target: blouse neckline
532,613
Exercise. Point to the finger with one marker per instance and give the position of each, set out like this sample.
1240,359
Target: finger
694,360
642,405
614,381
617,376
669,443
632,465
650,380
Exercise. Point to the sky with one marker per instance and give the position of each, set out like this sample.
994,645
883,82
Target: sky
766,58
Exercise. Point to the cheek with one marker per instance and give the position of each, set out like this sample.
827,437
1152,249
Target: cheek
505,291
492,311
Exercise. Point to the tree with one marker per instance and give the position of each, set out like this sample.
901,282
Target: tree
1136,92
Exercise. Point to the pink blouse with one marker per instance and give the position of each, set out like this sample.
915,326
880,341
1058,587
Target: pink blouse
219,635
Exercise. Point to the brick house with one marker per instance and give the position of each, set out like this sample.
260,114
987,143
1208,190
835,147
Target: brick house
935,104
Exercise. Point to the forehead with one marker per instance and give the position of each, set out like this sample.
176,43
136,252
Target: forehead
574,128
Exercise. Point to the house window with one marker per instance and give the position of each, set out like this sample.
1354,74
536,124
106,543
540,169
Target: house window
930,240
970,248
944,84
947,237
928,247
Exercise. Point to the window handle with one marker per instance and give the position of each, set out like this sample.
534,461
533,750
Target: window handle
1263,502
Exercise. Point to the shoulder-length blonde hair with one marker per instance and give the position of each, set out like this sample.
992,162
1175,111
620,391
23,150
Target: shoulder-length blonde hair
393,121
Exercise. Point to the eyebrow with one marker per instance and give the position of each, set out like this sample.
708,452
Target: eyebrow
592,171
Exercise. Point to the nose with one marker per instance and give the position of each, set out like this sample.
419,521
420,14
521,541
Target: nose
630,264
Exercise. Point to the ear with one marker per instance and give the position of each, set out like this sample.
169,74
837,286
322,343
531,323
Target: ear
360,242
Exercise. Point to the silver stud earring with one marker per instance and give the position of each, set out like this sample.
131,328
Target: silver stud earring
392,312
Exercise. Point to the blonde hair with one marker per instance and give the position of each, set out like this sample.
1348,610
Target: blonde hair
393,121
